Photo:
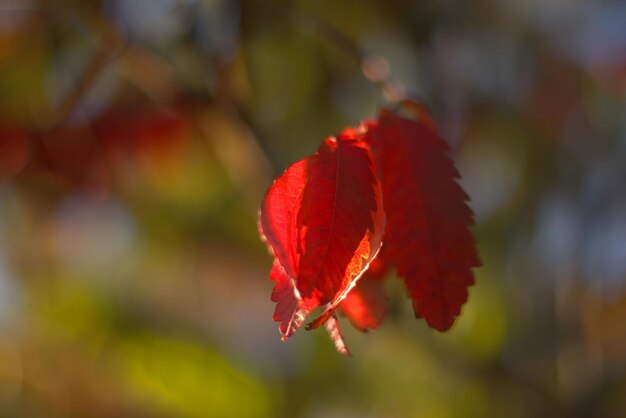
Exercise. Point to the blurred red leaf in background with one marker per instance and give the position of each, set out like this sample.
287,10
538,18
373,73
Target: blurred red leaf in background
15,149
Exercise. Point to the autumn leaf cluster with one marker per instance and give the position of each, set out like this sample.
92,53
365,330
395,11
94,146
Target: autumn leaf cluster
378,196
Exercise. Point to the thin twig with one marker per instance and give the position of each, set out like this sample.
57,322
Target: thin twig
112,49
368,63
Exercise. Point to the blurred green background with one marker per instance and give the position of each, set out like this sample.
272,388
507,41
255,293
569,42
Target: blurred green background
137,138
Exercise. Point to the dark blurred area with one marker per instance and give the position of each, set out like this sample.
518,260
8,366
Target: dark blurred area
137,138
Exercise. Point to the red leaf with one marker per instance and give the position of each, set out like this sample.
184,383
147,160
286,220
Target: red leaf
380,265
426,236
342,221
366,305
290,310
278,226
278,216
323,219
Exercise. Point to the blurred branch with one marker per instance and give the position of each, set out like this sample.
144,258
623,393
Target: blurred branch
374,68
323,29
87,79
113,47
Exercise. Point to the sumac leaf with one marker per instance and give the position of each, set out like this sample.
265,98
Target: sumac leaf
290,310
323,220
427,235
